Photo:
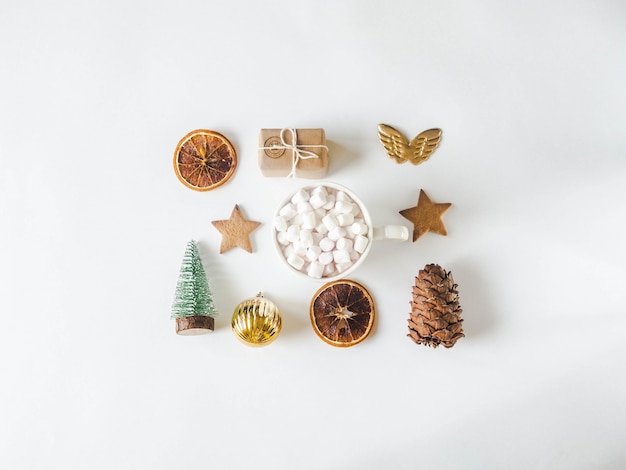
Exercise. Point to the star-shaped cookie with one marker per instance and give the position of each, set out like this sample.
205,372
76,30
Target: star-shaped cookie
426,216
235,231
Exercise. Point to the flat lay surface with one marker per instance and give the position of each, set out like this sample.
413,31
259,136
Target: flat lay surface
531,103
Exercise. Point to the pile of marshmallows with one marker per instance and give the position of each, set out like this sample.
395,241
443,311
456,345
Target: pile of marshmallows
321,231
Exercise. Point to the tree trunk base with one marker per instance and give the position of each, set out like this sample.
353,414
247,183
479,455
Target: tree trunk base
196,325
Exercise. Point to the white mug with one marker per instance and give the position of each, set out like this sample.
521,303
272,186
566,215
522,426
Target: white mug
304,264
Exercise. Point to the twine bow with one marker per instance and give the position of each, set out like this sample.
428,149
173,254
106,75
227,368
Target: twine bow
297,151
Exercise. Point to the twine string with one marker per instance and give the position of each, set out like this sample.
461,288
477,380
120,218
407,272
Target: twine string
297,151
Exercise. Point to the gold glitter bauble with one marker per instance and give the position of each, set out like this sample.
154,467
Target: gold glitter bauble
256,321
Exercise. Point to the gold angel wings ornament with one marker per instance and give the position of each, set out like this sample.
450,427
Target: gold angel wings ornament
401,150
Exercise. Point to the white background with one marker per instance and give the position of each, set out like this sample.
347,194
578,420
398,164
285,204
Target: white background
531,97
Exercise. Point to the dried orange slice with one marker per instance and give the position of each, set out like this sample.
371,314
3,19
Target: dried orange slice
342,313
204,160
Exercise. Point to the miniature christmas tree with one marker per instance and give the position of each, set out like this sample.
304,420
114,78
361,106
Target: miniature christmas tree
193,306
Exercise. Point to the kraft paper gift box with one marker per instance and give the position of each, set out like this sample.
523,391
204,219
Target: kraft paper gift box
280,156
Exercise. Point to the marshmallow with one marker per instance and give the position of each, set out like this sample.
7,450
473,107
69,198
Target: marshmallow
306,237
288,211
321,228
303,207
341,267
330,202
342,196
344,244
293,233
297,219
316,270
313,252
329,270
288,250
317,238
330,221
317,200
299,248
341,256
309,220
326,244
301,196
343,207
358,228
360,243
295,261
280,223
345,219
325,257
320,190
281,237
337,233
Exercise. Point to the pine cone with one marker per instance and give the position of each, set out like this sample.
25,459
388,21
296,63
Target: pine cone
435,310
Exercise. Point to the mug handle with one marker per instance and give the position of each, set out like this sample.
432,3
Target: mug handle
391,232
